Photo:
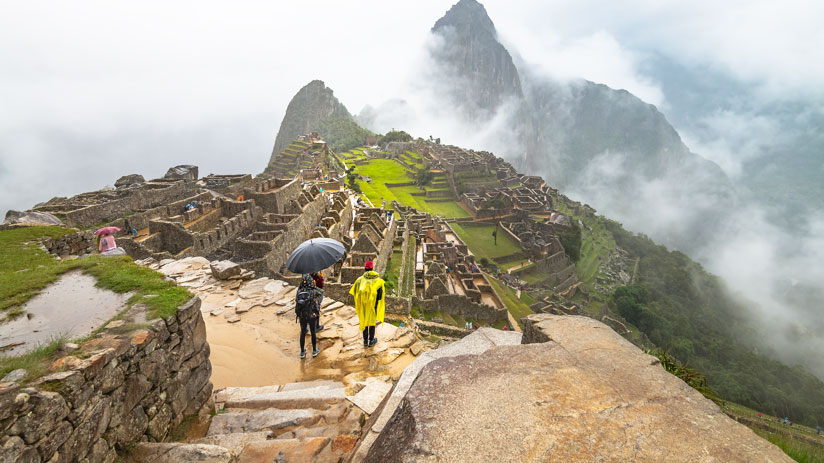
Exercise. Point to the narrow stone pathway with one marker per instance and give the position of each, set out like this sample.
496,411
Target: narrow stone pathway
274,406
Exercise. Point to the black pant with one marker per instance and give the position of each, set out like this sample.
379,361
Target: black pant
368,334
311,326
317,310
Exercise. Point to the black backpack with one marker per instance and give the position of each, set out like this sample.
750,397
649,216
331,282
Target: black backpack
304,304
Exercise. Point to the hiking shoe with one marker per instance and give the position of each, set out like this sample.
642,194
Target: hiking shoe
315,352
303,354
320,327
373,342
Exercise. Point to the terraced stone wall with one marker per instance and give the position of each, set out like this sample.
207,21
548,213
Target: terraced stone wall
114,391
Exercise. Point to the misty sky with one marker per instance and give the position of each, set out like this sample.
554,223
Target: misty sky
91,90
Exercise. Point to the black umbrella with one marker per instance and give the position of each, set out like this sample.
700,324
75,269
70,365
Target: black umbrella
315,255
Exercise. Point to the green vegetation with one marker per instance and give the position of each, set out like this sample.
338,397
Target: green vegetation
408,286
571,241
383,171
341,133
690,376
687,311
424,176
36,362
394,135
27,269
480,241
393,267
796,449
517,307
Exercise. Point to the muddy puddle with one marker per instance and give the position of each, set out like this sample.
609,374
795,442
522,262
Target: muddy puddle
71,306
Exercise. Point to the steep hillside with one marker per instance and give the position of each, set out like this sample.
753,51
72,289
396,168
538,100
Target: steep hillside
480,70
581,135
309,108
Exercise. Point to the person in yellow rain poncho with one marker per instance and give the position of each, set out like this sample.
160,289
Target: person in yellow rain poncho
370,295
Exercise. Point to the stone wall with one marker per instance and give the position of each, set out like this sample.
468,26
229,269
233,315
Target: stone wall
386,246
73,244
146,198
456,304
296,231
122,389
442,329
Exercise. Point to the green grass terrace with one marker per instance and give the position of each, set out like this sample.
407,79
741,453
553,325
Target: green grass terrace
383,171
27,269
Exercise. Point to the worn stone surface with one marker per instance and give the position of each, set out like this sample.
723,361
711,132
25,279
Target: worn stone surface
272,419
15,375
235,442
122,389
317,396
371,396
283,450
128,180
177,453
30,218
588,395
224,269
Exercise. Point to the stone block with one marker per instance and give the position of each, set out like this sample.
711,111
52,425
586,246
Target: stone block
586,395
178,452
285,450
224,269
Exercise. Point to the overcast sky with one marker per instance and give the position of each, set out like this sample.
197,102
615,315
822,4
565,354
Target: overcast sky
91,90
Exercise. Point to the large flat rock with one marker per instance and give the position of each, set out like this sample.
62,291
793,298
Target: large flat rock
586,395
318,396
178,452
371,395
287,450
264,420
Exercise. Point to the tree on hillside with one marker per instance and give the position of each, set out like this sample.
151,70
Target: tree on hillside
424,176
352,179
343,134
394,135
571,241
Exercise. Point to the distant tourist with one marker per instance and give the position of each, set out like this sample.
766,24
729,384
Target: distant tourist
370,304
817,430
306,313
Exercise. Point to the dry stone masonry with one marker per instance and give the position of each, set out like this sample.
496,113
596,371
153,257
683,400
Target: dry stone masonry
112,391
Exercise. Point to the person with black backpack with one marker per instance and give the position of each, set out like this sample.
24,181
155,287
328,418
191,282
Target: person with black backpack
306,313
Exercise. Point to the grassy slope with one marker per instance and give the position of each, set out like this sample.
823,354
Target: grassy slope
27,269
382,171
482,244
517,307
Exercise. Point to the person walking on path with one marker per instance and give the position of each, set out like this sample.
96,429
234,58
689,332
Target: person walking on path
318,277
306,313
370,295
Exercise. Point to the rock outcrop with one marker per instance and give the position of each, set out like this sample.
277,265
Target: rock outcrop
30,218
480,68
313,104
183,172
577,392
129,180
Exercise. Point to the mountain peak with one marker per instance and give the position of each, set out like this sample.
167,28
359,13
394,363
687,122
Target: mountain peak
313,104
466,14
479,68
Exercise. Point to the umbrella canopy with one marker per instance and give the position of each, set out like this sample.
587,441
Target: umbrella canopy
107,230
315,255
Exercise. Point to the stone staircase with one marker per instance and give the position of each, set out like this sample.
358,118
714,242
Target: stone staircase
313,421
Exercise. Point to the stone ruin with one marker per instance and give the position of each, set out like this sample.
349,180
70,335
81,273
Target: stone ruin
374,233
88,209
